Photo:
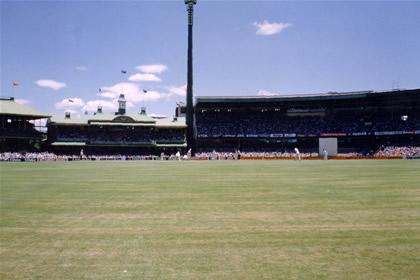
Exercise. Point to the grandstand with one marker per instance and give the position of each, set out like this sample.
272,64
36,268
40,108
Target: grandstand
361,122
115,133
18,132
383,123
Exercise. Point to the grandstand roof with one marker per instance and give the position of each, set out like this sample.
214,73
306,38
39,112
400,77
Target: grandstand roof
68,144
170,122
106,117
301,97
171,145
8,106
113,119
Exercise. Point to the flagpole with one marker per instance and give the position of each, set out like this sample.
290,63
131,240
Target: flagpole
144,97
122,87
15,84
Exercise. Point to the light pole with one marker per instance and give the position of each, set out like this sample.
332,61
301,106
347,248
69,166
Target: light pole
190,106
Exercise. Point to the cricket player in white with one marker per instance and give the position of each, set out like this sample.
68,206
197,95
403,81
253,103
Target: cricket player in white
297,154
325,154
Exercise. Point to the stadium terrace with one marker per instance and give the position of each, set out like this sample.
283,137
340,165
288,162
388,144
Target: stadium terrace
365,123
360,122
17,129
121,132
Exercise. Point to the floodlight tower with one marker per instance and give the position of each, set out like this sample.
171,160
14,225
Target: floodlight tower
190,106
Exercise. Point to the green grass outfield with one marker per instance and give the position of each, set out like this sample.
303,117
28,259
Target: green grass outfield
210,220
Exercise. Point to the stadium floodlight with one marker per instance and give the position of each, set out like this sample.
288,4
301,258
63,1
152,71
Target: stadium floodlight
190,2
404,118
190,109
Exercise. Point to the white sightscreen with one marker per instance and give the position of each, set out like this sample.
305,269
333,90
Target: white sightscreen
329,144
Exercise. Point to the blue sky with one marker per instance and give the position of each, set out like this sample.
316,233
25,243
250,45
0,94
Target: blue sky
69,49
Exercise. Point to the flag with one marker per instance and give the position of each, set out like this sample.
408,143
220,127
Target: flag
124,71
15,83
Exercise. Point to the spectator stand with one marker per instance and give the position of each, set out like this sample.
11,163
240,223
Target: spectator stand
116,133
17,127
361,121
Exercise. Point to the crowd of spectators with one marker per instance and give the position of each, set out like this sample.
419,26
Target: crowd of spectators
383,152
69,133
257,155
31,157
265,123
46,156
20,132
386,152
395,151
120,135
125,135
165,136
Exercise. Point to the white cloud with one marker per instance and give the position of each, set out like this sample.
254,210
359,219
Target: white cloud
177,91
108,94
152,68
92,105
152,96
266,28
22,101
66,103
262,92
81,68
144,77
55,85
128,104
132,92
